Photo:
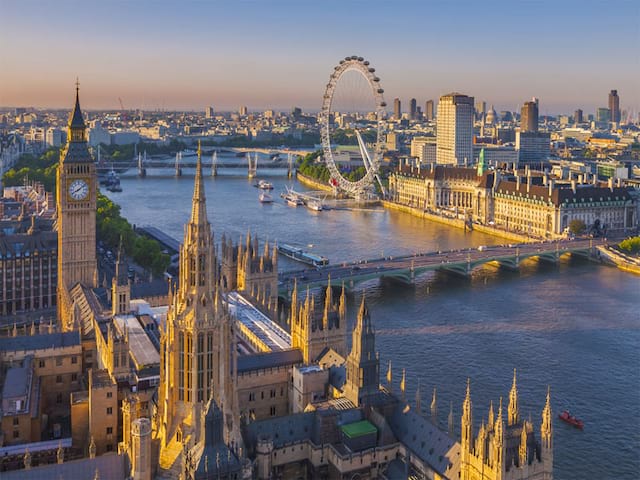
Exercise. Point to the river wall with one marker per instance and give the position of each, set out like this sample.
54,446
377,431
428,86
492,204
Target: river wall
619,259
455,222
313,183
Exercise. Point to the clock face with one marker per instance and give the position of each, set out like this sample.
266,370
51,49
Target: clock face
78,190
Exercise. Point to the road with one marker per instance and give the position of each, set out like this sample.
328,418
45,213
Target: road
389,266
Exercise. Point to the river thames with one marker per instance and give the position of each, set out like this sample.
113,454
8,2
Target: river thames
574,326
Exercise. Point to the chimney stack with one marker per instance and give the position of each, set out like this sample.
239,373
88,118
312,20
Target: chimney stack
573,186
551,185
610,182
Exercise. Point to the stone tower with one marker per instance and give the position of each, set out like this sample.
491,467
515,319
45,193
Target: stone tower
120,288
313,331
196,347
363,365
76,210
141,449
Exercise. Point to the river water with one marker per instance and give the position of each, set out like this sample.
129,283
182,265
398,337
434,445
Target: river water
574,326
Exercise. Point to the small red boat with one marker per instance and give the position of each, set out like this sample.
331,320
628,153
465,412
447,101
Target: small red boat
571,420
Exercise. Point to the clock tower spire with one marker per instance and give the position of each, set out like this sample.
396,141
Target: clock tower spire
76,213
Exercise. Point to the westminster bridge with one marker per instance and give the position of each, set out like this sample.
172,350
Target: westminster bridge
405,269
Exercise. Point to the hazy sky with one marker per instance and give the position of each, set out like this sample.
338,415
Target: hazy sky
276,54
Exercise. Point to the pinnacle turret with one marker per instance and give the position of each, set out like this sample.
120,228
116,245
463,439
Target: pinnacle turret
513,409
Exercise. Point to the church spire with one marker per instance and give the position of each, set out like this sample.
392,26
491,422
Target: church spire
513,410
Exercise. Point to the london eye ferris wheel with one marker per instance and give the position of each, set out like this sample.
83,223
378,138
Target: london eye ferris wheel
354,95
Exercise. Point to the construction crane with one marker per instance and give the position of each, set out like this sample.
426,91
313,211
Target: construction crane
123,113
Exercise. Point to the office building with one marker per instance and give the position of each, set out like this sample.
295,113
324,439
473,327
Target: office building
208,112
413,109
397,109
429,113
614,106
529,117
455,129
533,148
577,116
603,115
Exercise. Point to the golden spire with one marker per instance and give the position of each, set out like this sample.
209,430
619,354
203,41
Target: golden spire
434,407
467,421
546,429
513,410
342,309
199,208
390,377
522,450
403,384
491,419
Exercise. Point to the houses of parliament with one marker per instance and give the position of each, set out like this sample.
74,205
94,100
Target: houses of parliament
175,385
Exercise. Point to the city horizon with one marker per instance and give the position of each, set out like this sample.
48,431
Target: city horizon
175,65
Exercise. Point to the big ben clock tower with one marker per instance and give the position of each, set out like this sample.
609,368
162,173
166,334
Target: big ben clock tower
76,210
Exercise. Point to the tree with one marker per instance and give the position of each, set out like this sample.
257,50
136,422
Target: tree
630,245
577,226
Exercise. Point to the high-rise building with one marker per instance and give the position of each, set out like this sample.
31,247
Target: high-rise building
481,108
243,110
614,106
603,115
397,109
454,145
533,148
208,112
413,109
529,117
577,116
428,110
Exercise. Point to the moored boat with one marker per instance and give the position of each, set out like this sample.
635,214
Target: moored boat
314,205
265,198
566,417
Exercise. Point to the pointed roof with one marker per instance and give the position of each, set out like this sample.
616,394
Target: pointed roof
199,207
76,120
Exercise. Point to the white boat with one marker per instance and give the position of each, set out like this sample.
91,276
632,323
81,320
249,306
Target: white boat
292,199
265,198
264,185
314,205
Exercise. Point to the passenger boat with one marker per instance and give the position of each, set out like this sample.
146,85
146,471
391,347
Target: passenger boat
314,205
566,417
265,198
301,256
264,185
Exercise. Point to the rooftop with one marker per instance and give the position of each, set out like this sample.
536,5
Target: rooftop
39,341
259,361
358,429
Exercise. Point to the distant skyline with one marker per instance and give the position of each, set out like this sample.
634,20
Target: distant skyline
279,54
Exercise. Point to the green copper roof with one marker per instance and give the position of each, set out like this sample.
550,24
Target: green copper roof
358,429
